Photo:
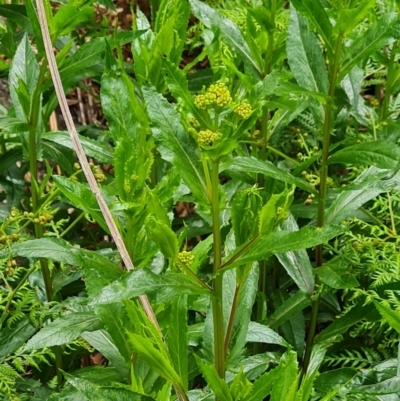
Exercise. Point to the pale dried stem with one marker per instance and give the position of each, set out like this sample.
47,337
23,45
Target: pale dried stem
82,158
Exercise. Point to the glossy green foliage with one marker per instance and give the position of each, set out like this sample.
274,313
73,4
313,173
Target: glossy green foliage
248,153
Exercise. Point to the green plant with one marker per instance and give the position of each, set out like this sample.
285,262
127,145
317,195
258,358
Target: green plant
284,151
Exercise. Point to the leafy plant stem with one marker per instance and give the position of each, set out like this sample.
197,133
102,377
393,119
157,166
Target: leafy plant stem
218,319
394,232
265,136
3,147
389,82
286,157
34,123
322,196
72,225
192,274
377,221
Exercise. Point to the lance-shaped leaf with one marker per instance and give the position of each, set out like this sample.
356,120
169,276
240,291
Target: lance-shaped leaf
178,86
289,308
355,315
262,247
306,61
95,392
229,32
175,145
143,281
177,339
82,197
217,384
331,382
23,77
305,55
91,147
11,338
285,387
376,36
382,154
117,106
102,342
240,330
349,18
366,186
315,12
255,166
64,330
297,263
258,333
154,358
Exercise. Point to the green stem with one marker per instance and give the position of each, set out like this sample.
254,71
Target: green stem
263,151
34,119
279,153
72,225
322,197
193,275
389,82
218,317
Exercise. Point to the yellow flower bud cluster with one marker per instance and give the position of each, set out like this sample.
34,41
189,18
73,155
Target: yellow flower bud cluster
217,95
244,110
194,122
207,137
186,258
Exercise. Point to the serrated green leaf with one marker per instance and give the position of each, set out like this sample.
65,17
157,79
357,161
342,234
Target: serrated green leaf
263,385
91,147
64,330
175,144
289,308
117,107
376,36
154,358
68,17
355,315
297,263
229,32
102,342
81,196
177,339
285,386
217,384
178,86
256,166
275,211
164,237
11,338
143,281
336,277
258,333
315,12
305,55
281,241
334,380
25,69
365,187
95,392
382,154
349,18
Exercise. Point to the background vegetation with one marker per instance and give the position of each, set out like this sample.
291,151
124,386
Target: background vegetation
248,152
